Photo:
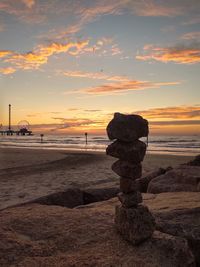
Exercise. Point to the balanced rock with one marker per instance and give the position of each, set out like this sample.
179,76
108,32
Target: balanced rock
127,185
130,151
127,128
130,200
127,169
135,224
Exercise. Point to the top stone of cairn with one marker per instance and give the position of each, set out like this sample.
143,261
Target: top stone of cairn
127,128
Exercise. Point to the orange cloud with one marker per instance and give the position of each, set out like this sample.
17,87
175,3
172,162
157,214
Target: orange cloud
94,75
78,124
4,53
125,86
180,55
181,113
7,71
29,3
33,60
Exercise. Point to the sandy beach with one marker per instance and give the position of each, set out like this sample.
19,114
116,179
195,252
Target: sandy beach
26,174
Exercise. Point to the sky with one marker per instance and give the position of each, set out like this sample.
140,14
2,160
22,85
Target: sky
67,65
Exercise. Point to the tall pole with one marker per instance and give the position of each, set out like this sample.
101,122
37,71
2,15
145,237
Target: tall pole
86,135
9,127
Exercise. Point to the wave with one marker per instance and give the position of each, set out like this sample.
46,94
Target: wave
186,145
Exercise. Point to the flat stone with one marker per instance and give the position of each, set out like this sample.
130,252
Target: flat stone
127,128
130,200
134,224
129,151
127,185
127,169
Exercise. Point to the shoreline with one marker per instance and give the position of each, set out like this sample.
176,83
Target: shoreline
101,151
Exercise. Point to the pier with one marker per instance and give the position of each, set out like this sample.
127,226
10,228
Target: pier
22,131
19,132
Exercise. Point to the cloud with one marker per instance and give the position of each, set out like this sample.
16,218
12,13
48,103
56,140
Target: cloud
177,54
23,10
180,112
39,56
191,36
7,71
92,110
176,122
4,53
94,75
192,21
29,3
151,8
124,87
73,109
75,123
87,13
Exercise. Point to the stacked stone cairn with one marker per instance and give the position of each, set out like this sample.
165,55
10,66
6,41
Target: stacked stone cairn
133,220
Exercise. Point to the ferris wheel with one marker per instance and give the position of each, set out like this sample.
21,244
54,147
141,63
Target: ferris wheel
23,125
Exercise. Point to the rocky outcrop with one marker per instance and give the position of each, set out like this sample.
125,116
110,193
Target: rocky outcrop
91,195
144,181
70,198
194,162
73,197
178,214
182,178
38,235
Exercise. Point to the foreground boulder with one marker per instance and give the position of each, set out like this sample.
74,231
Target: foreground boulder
38,235
144,181
183,178
178,214
194,162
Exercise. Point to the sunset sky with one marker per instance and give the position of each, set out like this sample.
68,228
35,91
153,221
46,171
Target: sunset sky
68,65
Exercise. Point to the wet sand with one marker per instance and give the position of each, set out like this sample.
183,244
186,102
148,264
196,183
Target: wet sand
26,174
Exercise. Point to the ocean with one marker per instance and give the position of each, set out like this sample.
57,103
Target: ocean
174,145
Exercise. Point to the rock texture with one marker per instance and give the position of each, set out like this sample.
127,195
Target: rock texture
130,200
128,151
127,128
182,178
38,235
135,223
144,181
194,162
127,169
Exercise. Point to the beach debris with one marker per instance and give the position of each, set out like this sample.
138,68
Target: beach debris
133,220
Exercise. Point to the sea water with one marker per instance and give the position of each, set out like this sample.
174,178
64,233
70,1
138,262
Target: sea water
176,145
